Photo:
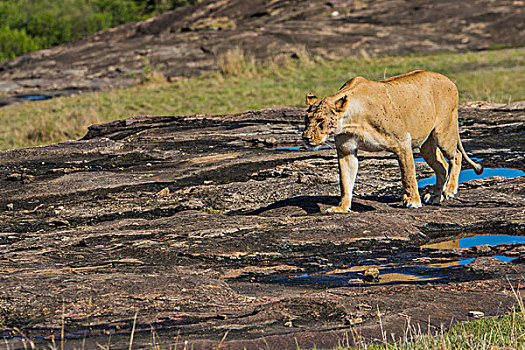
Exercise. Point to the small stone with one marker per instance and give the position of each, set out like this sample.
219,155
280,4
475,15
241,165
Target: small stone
58,210
364,307
14,177
335,14
207,182
270,141
485,248
288,324
27,178
164,192
149,165
353,320
10,206
371,275
57,222
476,314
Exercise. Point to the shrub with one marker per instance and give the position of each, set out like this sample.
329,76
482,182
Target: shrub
29,25
14,43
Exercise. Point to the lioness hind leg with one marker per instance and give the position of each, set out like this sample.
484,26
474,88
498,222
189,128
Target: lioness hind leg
451,188
438,163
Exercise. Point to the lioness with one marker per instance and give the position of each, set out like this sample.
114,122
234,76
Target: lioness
416,109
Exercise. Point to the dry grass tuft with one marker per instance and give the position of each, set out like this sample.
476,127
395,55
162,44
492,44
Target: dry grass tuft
234,62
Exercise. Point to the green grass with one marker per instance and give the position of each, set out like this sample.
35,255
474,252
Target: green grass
507,332
496,76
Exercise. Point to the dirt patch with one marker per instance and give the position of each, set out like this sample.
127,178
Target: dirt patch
187,41
207,235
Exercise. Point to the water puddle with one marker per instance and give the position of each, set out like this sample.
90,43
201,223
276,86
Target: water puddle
470,174
479,240
421,159
299,148
411,266
492,240
503,258
35,97
388,274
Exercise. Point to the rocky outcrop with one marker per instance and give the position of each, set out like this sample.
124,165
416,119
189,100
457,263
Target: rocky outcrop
208,233
187,41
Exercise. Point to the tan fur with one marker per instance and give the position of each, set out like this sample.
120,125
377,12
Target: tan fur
416,109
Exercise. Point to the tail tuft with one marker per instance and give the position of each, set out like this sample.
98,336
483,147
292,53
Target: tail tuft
478,169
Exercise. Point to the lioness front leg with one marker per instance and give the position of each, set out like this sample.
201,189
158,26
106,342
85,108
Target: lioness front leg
348,165
411,197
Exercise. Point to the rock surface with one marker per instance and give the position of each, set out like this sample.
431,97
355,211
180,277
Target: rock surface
206,232
188,40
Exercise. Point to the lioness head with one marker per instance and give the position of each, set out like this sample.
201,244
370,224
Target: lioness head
322,118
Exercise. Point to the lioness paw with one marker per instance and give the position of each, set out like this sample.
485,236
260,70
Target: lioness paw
432,198
409,202
450,191
337,209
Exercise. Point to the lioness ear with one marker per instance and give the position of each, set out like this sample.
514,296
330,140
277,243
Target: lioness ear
310,99
340,105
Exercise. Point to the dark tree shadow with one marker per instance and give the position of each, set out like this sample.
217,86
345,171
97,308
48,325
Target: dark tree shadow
310,204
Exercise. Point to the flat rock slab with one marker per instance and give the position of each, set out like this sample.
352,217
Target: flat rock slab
209,233
187,41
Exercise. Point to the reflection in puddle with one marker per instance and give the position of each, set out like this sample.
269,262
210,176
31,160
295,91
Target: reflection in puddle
403,277
466,261
421,159
298,148
492,240
477,240
473,241
352,279
470,174
503,258
388,274
407,267
35,97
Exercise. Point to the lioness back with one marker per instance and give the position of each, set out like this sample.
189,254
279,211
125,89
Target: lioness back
414,102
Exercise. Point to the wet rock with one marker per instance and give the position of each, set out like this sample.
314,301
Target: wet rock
57,222
239,236
483,249
476,314
165,192
352,321
364,307
27,178
371,275
14,177
57,171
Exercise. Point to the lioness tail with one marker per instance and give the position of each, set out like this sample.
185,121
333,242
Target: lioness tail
477,167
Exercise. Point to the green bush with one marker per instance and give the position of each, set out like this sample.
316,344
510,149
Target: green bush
14,43
28,25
